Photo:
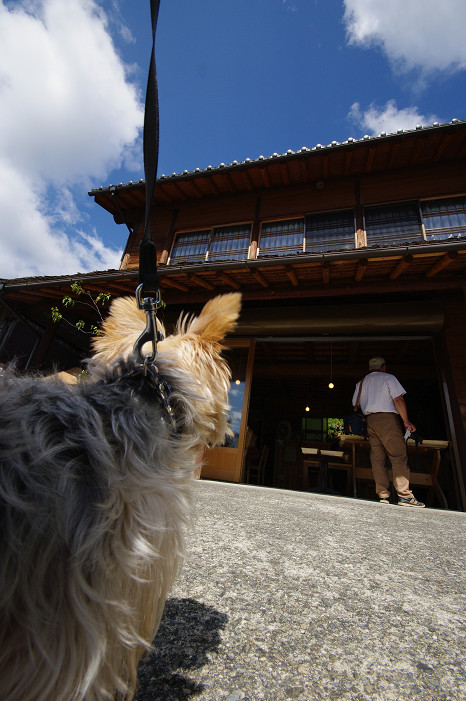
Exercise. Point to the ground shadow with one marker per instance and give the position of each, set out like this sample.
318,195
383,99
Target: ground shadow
188,631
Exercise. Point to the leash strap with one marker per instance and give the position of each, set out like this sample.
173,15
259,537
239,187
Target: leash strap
148,277
148,293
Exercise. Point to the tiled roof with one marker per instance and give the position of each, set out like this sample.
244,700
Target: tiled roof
289,154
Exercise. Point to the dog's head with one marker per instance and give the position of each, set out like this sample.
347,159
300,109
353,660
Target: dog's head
194,351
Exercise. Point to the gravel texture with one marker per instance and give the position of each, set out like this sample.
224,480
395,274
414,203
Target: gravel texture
292,595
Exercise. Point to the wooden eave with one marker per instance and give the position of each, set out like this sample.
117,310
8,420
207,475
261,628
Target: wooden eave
374,271
353,158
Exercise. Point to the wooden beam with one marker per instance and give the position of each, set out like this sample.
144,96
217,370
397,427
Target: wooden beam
348,160
285,174
325,168
361,269
304,170
214,186
395,147
198,280
370,160
326,273
177,189
265,177
299,370
229,281
246,180
260,278
197,191
172,283
442,263
292,275
442,146
401,266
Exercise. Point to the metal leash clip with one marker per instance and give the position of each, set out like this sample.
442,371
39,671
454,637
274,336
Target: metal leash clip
150,333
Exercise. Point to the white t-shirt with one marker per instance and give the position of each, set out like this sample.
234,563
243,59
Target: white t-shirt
378,391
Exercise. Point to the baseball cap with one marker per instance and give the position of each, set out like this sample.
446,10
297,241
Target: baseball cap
376,363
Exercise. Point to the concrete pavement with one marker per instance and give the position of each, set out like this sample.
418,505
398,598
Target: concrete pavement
292,595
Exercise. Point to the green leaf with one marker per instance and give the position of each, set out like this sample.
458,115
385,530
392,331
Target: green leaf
77,288
102,297
56,316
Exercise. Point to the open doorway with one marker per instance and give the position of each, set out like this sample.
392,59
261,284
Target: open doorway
292,405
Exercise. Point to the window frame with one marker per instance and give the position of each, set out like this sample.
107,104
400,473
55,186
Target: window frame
442,234
211,237
330,212
397,241
273,252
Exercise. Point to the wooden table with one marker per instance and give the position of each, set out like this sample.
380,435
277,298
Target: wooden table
325,460
425,479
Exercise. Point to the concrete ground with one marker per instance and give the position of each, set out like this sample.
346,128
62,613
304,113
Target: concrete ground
292,595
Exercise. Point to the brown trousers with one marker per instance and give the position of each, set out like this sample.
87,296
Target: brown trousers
386,439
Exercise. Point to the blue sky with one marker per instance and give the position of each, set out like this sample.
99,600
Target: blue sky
237,79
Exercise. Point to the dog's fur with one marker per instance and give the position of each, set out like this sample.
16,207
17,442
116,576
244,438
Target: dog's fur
94,497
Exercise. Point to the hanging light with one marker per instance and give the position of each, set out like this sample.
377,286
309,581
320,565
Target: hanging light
330,384
307,408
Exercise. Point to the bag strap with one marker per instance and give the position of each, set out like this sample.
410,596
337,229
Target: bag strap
359,393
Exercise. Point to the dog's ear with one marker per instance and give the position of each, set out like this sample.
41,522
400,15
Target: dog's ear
120,330
217,318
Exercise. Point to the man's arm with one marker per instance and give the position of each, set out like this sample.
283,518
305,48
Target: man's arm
403,412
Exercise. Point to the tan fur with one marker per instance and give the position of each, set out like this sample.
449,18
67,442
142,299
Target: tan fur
95,496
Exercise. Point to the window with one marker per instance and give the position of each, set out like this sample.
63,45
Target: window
230,242
282,237
190,247
218,243
330,230
320,430
318,232
444,219
393,224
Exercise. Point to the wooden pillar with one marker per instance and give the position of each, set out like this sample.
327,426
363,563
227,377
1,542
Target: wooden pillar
255,230
359,216
452,359
169,239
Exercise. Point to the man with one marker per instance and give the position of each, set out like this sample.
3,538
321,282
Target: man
380,396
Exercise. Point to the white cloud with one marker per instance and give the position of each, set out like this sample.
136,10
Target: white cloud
68,115
388,118
415,34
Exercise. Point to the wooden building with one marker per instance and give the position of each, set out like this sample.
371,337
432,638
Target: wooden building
341,252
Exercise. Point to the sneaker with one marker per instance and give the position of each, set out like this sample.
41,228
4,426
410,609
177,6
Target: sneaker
385,500
404,501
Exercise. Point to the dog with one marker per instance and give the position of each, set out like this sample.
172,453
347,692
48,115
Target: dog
95,497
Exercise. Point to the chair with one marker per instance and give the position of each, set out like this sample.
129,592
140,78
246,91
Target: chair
258,466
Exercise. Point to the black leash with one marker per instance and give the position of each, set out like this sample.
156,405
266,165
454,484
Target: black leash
148,292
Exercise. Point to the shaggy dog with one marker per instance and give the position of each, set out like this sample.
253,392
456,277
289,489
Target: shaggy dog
94,497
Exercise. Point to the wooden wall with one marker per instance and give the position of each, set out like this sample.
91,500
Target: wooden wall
293,201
